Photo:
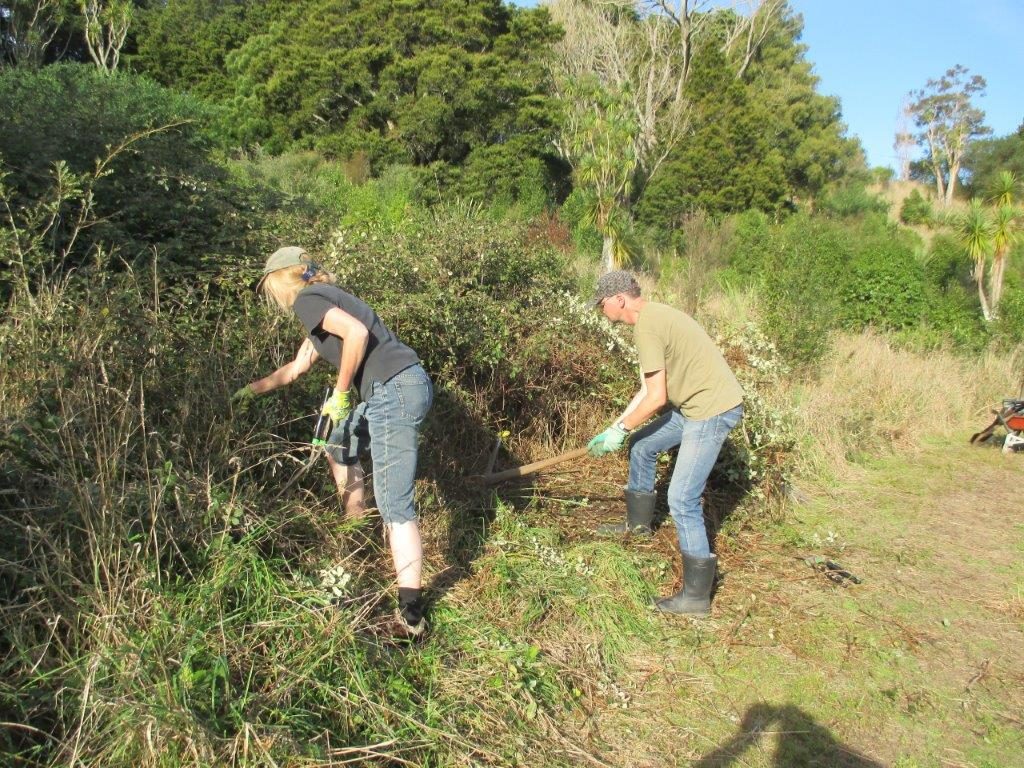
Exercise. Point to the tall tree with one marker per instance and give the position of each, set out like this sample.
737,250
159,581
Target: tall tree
421,83
986,159
29,27
762,136
804,125
1005,232
640,53
974,230
184,44
106,28
948,121
728,164
604,162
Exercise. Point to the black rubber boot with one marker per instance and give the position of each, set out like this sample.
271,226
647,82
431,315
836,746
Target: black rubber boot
639,513
694,599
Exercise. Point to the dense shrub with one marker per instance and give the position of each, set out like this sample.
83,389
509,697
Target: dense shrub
1009,327
851,200
584,233
947,264
916,209
798,269
884,287
156,186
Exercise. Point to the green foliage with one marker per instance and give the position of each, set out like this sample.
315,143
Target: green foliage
183,44
728,163
948,122
804,126
916,209
806,260
574,212
600,143
153,183
985,159
1008,329
816,275
767,140
884,286
416,84
947,263
851,200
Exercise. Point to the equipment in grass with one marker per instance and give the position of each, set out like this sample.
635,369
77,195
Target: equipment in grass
833,571
318,444
1011,418
492,478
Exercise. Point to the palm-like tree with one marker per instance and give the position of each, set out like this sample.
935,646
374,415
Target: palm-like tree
975,231
1005,232
599,142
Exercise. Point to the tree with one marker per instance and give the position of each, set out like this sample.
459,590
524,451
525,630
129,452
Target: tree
728,164
106,27
640,54
183,44
763,139
986,159
28,27
948,121
604,162
420,83
974,230
1005,233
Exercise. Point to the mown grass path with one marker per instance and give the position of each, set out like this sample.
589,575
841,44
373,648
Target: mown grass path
922,664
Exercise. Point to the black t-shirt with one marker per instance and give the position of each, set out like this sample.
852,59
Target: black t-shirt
385,354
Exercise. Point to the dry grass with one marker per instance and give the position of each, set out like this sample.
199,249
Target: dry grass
873,397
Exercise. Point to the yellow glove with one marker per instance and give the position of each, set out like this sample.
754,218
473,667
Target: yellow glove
338,406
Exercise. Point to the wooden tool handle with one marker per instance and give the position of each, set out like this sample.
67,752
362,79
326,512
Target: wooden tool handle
529,469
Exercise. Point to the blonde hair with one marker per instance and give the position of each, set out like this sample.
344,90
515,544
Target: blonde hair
281,286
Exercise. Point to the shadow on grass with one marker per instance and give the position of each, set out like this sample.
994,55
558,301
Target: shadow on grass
801,741
456,445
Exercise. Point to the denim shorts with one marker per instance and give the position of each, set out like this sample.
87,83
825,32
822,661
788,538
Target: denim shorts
386,426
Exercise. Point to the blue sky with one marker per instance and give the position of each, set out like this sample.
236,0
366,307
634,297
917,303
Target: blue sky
871,53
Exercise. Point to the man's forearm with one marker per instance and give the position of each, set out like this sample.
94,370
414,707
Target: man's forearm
643,407
633,404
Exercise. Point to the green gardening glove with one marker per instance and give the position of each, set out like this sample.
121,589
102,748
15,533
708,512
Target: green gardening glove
609,441
243,397
338,406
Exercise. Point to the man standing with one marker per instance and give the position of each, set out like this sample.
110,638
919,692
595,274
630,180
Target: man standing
680,366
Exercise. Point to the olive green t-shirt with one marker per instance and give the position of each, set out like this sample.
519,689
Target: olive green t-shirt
698,379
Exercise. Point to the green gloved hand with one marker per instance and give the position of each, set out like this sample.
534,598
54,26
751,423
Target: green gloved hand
244,396
612,439
338,406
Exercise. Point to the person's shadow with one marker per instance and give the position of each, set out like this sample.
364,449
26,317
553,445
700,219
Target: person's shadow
800,741
456,445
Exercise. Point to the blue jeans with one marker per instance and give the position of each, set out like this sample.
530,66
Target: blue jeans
387,426
699,444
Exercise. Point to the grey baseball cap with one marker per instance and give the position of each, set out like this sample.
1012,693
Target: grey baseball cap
611,283
289,256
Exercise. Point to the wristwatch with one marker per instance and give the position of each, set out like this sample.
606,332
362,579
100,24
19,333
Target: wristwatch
623,427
